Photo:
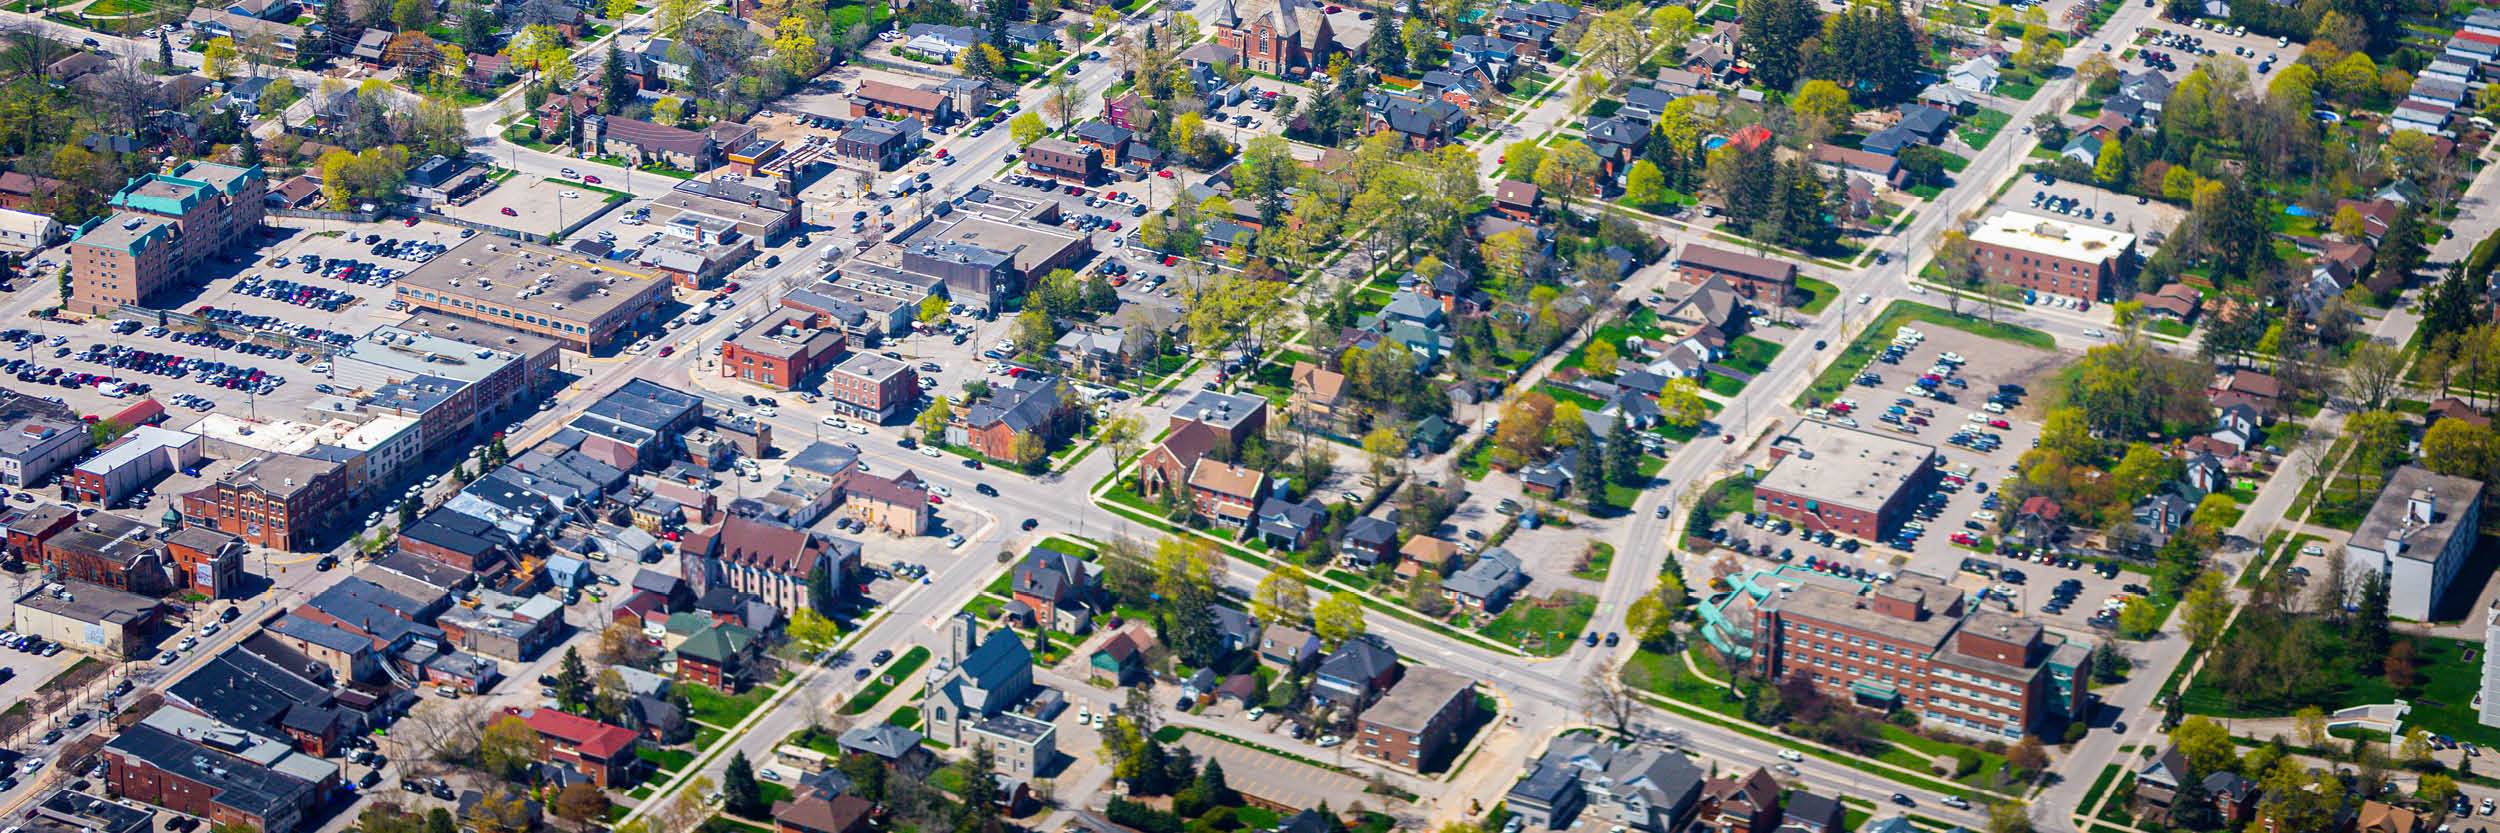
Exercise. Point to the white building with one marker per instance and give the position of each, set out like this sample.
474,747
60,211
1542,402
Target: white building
2420,533
31,449
27,231
384,442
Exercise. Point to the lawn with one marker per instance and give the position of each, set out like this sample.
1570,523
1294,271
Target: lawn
1543,627
1665,675
1818,295
1751,355
2443,705
1837,376
1621,496
1732,496
722,710
2167,327
901,669
1600,558
665,760
1982,127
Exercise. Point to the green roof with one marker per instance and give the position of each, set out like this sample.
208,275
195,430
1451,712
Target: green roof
227,179
718,645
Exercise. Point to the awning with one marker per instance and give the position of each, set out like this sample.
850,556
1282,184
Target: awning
1879,692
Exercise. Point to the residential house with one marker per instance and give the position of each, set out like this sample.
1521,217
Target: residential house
1056,590
1584,783
1289,525
1320,400
1486,585
1356,673
1367,541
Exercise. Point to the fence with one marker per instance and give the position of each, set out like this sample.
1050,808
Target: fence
340,216
184,320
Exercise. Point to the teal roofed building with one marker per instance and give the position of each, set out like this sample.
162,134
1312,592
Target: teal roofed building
127,233
200,209
1727,619
162,195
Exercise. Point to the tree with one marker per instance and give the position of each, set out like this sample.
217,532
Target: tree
1027,449
1651,622
1283,596
1520,159
2111,168
1681,405
2208,605
1770,36
810,629
2374,372
2139,619
1613,43
2009,817
412,15
2458,448
2206,745
794,50
581,802
2369,622
2309,726
1607,700
740,795
932,420
507,747
1600,358
1645,185
673,14
572,682
1383,448
2436,788
2028,756
1338,618
1822,105
217,59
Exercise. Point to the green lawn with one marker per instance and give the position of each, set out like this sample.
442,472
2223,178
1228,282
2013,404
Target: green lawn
897,672
2164,326
1981,127
2443,705
1666,676
1601,558
1751,355
1837,376
722,710
665,760
1818,295
1543,627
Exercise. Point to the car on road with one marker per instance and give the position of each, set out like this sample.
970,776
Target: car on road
1903,800
1030,524
1792,756
1957,802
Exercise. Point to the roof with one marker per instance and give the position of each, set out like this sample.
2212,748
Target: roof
899,96
654,137
94,604
2422,539
1362,658
884,740
1226,479
1736,263
2052,238
1845,466
817,813
1495,572
589,737
233,781
1418,697
719,645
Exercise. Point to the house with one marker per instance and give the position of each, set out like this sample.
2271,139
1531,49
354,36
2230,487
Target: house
2083,147
1320,400
2157,779
2140,97
1356,673
1120,661
1486,585
1551,478
820,814
2040,520
899,747
940,43
1839,160
1289,647
1750,804
2255,388
1810,813
1234,629
1367,541
1583,783
723,657
1169,463
2450,407
1517,200
1225,493
1423,124
1289,525
642,142
2204,470
1057,590
1757,278
2173,302
1031,406
1426,553
1977,75
603,752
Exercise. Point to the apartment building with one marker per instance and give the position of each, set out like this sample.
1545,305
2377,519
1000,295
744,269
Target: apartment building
872,387
162,225
1416,721
2052,257
1913,644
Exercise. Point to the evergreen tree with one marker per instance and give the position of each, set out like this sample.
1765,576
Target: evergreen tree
1384,52
1623,454
740,795
2449,307
1588,474
2401,249
2192,808
1212,787
2370,619
164,50
1770,35
614,87
408,512
820,593
998,27
572,681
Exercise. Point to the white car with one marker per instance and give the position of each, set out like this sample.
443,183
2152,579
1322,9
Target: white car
929,451
1332,740
1792,755
940,490
1865,298
861,430
832,421
1951,357
767,410
955,541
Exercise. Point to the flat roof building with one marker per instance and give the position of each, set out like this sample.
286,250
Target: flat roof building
89,617
146,453
1411,725
582,304
2420,533
2052,256
1852,482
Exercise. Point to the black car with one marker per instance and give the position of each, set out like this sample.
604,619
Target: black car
229,614
881,657
1613,639
985,489
1903,800
1030,524
1590,640
443,791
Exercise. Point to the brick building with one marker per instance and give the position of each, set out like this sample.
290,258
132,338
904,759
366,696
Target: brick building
276,501
1914,645
782,350
603,752
162,226
110,550
1412,724
1855,483
1278,37
2052,256
870,386
1761,279
1064,160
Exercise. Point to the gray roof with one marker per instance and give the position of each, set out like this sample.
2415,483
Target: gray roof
235,782
1417,698
1495,573
2451,498
884,740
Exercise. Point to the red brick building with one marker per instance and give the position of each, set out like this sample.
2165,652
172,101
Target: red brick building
1417,720
870,386
1855,483
1064,160
720,657
781,351
1277,37
1913,645
1226,493
276,501
603,752
163,225
2052,256
1762,279
109,550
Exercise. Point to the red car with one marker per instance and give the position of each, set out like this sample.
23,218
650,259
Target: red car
508,212
732,286
1164,174
934,500
1965,539
1999,424
1169,260
590,178
412,221
667,350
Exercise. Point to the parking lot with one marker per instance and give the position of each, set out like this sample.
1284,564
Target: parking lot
1960,526
2083,204
2176,48
530,205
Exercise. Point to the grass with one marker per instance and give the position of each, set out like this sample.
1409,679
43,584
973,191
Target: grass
1543,627
1819,295
665,760
705,737
709,706
1601,558
2443,704
1837,376
901,669
1666,676
1751,355
1981,127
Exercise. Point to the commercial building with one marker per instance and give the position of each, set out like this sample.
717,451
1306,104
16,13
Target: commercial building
109,550
1416,721
1855,483
1064,160
30,450
451,382
206,777
781,351
162,226
758,212
548,292
89,617
2052,256
373,451
1026,406
895,101
274,500
870,386
1761,279
141,456
2419,533
24,231
508,628
208,561
878,144
1913,645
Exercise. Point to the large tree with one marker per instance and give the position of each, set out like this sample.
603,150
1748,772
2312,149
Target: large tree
1770,36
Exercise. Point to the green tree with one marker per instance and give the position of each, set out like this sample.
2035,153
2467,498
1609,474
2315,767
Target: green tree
1027,128
2206,745
740,795
508,747
572,682
1283,596
1520,159
1645,185
932,420
1338,618
1821,104
2139,619
2111,168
